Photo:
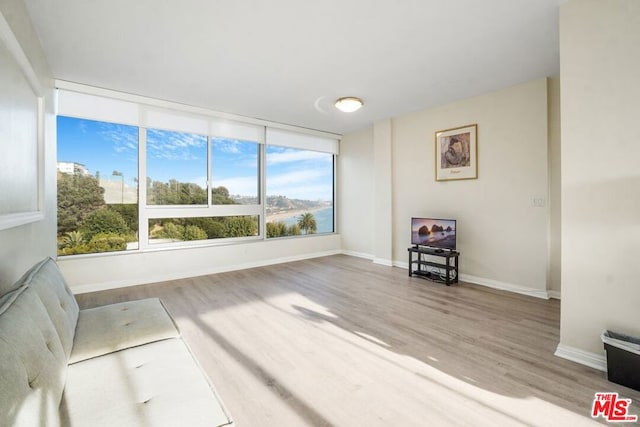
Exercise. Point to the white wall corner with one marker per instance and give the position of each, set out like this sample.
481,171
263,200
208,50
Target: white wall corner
383,261
592,360
495,284
554,294
401,264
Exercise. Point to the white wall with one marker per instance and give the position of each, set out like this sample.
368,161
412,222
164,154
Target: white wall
555,191
356,192
599,69
23,246
502,237
383,192
97,272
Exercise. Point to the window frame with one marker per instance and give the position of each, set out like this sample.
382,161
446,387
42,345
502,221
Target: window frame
333,193
149,212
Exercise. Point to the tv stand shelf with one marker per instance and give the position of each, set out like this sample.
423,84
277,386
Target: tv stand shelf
447,272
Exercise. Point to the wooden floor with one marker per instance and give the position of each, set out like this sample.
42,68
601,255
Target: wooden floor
341,341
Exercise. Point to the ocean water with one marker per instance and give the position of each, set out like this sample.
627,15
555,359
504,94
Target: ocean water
441,239
324,220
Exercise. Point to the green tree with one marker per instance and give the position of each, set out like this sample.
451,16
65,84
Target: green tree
71,239
78,196
176,193
171,230
294,230
104,221
107,242
129,212
307,223
191,194
212,226
101,242
276,229
220,196
240,226
193,232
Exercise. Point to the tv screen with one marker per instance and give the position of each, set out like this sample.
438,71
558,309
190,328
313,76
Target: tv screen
434,233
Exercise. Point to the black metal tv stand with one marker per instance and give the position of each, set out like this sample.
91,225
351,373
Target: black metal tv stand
425,268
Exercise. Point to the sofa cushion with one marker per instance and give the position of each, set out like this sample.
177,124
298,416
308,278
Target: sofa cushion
157,384
32,362
47,280
114,327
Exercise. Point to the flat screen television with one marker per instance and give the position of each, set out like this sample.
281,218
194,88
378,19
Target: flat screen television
434,233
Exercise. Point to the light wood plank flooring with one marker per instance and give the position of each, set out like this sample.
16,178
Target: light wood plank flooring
341,341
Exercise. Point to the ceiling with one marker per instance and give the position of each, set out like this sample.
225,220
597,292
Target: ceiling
287,61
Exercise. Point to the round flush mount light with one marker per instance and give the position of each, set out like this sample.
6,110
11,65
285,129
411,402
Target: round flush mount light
349,104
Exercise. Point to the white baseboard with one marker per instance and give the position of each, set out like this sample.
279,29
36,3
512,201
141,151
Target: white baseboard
503,286
592,360
554,294
94,287
358,254
401,264
383,261
492,284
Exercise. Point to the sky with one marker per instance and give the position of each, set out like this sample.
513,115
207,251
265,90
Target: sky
107,148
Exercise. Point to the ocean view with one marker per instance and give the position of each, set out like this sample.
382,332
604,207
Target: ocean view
324,220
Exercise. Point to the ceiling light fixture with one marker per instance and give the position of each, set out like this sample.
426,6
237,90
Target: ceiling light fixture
349,104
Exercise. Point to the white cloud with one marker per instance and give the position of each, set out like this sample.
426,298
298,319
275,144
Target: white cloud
289,179
227,146
124,138
175,146
289,156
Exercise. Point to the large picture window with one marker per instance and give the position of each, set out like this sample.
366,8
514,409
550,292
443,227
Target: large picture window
205,179
97,174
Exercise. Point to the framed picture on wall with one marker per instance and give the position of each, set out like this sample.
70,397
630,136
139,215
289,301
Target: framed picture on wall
457,153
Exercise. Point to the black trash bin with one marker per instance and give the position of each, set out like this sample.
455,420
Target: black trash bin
623,359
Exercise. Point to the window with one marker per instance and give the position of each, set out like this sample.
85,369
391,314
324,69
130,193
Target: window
204,178
299,191
176,168
235,171
97,173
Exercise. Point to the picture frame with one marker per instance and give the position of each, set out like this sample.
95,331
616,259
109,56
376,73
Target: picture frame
456,153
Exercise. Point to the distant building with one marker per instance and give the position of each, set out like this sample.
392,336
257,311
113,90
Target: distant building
73,168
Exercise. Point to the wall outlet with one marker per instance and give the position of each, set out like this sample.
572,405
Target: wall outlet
538,202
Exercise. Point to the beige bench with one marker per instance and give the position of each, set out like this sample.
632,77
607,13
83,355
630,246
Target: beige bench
118,365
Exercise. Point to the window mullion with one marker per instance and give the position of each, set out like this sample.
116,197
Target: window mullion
262,189
209,170
143,221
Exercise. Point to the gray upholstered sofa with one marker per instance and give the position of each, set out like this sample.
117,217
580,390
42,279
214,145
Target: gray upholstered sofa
117,365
